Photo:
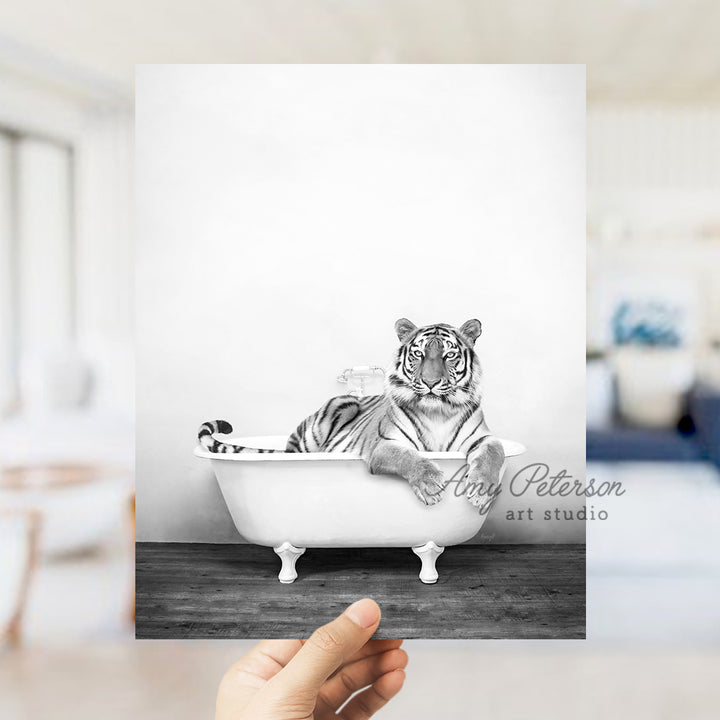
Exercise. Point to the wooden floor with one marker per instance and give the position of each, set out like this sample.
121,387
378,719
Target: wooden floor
484,591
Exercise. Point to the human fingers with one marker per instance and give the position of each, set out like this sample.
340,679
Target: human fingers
327,649
365,704
374,647
358,675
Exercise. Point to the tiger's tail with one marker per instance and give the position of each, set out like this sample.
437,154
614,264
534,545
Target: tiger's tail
210,444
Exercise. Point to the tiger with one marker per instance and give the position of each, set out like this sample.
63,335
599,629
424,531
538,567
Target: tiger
432,402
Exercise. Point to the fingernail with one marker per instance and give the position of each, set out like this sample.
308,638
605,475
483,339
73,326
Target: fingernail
364,613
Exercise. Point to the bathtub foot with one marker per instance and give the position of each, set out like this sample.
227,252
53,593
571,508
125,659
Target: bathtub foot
428,554
289,554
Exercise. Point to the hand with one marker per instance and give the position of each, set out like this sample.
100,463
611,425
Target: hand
312,679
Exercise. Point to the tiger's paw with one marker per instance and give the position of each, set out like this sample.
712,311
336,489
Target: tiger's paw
482,483
427,482
477,492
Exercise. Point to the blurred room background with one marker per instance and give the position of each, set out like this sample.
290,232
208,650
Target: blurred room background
653,368
66,353
66,368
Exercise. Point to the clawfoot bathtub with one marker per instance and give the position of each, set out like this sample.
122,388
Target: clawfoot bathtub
294,501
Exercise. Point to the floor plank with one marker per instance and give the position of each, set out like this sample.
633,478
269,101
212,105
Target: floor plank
192,590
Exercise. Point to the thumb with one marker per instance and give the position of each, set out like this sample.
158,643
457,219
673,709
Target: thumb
328,648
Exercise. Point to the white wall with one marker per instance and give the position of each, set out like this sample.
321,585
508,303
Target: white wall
287,215
105,255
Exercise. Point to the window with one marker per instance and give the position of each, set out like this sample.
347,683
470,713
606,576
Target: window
37,265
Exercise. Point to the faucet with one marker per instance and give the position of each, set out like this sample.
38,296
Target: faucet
357,376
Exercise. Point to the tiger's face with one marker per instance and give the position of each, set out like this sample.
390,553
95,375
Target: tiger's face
436,366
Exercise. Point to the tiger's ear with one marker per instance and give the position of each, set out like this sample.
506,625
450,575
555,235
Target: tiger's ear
471,330
404,328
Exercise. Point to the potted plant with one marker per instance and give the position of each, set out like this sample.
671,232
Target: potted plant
654,367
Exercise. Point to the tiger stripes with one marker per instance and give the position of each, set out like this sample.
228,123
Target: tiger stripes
210,444
431,402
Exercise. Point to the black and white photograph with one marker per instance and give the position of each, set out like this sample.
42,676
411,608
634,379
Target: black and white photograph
360,361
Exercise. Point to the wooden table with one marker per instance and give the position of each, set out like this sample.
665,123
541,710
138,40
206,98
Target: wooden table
190,590
49,478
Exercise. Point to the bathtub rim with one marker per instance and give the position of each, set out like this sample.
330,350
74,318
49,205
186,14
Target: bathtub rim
512,448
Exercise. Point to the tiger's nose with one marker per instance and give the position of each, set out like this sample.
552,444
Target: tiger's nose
432,383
